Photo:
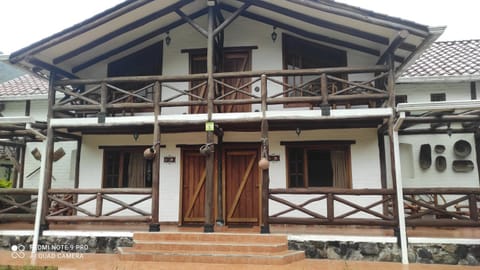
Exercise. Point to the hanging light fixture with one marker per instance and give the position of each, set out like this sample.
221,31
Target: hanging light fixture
298,131
168,39
274,34
135,135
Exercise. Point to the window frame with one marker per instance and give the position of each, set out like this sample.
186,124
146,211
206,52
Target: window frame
300,46
123,150
318,145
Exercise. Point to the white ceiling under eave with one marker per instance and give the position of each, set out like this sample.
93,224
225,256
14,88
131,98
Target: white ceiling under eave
136,24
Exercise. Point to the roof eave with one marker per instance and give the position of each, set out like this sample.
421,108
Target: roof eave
435,33
440,79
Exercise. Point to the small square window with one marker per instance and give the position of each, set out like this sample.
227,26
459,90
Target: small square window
401,99
438,97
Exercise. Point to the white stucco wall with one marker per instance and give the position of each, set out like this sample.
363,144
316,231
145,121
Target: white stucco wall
431,177
92,159
420,92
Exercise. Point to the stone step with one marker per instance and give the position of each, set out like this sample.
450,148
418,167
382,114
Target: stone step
210,237
276,258
260,247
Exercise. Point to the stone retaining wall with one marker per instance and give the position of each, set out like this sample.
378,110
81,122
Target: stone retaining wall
389,252
357,251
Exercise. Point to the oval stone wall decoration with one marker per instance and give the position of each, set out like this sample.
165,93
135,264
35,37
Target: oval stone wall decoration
425,156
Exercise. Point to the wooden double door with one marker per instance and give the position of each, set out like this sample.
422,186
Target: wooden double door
237,185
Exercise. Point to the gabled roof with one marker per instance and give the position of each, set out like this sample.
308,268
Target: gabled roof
133,25
26,86
446,61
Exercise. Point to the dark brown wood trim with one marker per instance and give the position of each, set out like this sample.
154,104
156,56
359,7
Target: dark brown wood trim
226,49
126,147
315,143
135,42
302,32
321,23
79,29
366,16
120,31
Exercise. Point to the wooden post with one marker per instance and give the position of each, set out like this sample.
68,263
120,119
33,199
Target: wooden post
47,159
473,208
330,207
209,216
398,208
265,226
155,223
103,102
324,92
99,208
220,220
76,183
22,164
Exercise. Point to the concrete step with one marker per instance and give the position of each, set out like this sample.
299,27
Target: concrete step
210,246
210,237
219,248
277,258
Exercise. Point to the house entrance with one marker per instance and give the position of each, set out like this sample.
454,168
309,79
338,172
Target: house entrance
240,191
241,185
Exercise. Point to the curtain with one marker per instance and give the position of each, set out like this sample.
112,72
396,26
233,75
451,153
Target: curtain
339,166
136,170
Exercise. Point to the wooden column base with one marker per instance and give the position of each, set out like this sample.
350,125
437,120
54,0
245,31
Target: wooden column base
208,228
154,227
265,229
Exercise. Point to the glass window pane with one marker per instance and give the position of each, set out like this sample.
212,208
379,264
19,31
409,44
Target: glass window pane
320,173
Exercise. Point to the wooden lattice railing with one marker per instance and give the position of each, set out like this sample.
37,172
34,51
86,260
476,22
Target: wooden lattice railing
442,206
332,206
120,209
456,207
17,204
326,86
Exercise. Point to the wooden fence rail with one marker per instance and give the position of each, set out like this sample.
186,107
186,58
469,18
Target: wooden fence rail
455,207
17,204
368,212
329,86
63,206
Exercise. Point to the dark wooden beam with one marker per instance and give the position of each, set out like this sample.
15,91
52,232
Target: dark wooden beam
120,31
366,16
302,32
52,68
77,30
135,42
230,19
393,46
195,26
320,22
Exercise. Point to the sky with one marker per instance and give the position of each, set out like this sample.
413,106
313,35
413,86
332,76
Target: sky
23,22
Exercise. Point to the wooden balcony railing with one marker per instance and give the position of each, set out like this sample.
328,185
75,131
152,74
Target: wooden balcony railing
455,207
120,209
332,206
442,206
18,204
326,86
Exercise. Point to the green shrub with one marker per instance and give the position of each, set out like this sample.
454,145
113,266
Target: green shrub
5,184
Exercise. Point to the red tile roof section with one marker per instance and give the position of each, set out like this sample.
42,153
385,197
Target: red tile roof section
25,85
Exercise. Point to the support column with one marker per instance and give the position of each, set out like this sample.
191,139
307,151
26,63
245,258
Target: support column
395,165
219,220
209,215
45,174
155,223
265,226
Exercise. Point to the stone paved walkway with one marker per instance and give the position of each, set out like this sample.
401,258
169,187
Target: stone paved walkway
112,262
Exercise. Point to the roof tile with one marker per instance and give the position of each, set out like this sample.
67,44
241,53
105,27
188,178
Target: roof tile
24,85
447,58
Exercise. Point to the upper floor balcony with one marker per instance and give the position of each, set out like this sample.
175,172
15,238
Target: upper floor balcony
233,92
